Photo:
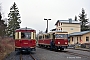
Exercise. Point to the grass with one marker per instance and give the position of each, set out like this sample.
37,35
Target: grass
6,47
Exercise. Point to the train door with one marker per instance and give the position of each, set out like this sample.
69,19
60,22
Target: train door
17,40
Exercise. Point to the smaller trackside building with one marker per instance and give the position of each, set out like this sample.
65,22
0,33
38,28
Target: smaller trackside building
80,37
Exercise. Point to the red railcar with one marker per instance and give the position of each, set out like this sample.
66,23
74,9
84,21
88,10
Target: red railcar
60,39
25,39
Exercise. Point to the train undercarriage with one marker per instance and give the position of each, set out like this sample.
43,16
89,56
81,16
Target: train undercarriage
25,49
55,48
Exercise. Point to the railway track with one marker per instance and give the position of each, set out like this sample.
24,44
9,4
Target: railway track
82,50
21,57
76,54
88,50
30,58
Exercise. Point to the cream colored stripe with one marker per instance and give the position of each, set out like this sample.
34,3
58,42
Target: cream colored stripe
31,35
19,35
16,37
34,35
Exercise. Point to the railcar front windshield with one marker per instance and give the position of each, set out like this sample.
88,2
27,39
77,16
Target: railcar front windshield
26,35
65,36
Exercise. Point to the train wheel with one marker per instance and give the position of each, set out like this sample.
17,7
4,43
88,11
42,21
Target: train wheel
56,49
39,45
61,49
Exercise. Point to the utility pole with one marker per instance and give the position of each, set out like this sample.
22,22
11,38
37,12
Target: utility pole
47,24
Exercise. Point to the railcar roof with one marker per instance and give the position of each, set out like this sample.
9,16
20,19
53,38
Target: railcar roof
51,32
25,29
43,33
57,31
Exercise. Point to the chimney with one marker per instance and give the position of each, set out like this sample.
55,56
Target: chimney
70,20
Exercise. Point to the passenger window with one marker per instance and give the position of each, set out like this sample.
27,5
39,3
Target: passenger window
40,37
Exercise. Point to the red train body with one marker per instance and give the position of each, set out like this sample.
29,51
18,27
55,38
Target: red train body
60,40
25,39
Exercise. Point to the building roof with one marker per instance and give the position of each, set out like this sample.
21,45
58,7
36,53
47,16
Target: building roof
68,21
79,33
53,29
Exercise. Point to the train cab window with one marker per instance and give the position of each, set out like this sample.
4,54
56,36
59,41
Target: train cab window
59,35
26,35
66,36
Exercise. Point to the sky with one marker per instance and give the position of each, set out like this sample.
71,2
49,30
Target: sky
33,12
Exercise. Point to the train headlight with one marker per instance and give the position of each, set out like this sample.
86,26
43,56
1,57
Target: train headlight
65,42
58,42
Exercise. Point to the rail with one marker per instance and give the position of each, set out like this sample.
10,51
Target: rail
21,57
76,54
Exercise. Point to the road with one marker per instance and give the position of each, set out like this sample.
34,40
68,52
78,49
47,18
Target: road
44,54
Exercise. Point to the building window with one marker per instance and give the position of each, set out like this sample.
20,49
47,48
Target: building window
72,39
77,40
80,38
57,25
71,28
61,23
61,28
87,39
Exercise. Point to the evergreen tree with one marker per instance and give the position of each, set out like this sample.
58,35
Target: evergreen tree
14,20
75,18
0,16
84,20
2,27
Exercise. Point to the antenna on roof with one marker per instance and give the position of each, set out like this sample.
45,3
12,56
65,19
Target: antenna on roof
26,28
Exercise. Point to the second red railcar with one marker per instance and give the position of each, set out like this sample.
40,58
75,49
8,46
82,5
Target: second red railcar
60,39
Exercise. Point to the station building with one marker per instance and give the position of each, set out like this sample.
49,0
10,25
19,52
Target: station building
80,37
74,31
68,25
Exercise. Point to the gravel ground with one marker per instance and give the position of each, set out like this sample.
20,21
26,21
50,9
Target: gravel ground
79,52
44,54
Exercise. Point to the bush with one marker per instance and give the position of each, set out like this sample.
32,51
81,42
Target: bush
6,47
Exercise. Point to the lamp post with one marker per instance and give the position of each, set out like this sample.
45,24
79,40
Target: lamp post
47,24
